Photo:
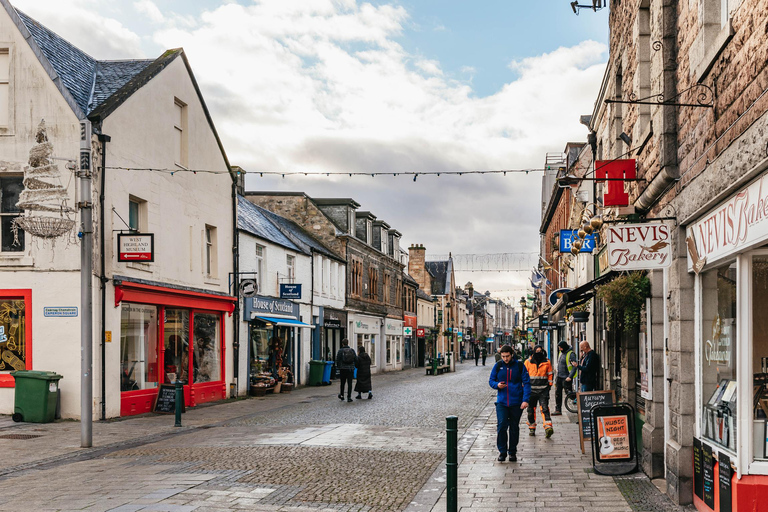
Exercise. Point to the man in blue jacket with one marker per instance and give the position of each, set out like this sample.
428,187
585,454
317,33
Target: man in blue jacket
510,378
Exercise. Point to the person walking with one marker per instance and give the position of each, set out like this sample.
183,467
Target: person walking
540,373
345,362
567,366
497,355
363,365
477,353
589,366
513,386
485,353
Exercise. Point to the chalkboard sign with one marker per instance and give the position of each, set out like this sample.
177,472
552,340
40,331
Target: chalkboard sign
698,471
725,476
708,475
587,400
166,400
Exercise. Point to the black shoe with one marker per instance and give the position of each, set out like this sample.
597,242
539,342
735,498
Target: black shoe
512,457
341,397
370,395
358,397
502,457
349,399
557,413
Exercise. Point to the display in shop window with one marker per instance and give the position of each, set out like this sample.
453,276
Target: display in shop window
12,335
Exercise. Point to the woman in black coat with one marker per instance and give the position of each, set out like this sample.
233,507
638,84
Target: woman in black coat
363,366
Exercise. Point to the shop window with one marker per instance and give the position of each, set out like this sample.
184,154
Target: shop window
5,87
389,349
206,361
15,333
176,356
260,343
10,188
398,348
369,342
760,357
718,359
138,347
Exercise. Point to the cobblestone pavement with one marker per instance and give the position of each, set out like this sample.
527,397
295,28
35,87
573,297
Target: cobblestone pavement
306,451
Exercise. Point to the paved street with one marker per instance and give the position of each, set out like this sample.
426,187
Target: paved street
305,451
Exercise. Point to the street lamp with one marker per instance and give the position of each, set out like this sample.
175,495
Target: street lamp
524,331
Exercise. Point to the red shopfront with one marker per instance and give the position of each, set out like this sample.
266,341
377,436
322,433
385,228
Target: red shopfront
168,334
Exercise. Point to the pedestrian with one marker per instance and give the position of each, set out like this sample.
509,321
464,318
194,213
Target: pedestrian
567,366
513,386
540,373
589,367
485,353
345,362
363,365
497,355
477,353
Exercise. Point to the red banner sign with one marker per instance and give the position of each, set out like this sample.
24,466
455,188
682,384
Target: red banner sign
614,171
420,333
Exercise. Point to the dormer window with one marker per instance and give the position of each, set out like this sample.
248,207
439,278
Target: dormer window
368,232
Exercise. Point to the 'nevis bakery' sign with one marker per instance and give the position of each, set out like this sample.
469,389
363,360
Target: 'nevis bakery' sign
638,246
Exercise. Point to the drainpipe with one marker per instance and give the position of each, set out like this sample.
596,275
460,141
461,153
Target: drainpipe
236,288
312,305
102,274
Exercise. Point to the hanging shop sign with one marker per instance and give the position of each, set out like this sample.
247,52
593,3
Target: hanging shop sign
290,291
268,306
334,319
638,246
136,247
248,288
617,172
419,333
555,295
738,222
568,235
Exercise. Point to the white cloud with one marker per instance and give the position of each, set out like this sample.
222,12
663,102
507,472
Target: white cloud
149,9
79,22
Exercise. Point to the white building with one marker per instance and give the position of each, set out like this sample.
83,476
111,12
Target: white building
154,320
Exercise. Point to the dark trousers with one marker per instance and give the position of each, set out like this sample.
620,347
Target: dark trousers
483,360
561,384
477,358
346,378
540,398
508,428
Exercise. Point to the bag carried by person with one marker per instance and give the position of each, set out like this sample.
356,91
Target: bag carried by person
348,356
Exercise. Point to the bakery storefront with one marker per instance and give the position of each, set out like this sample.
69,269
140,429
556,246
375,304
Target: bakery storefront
728,252
168,334
366,331
274,334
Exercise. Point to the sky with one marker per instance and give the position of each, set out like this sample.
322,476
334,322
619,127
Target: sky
323,86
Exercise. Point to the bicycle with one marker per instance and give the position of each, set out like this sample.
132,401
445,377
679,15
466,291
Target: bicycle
571,401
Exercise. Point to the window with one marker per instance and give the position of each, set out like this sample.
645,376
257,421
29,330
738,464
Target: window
357,278
176,355
259,265
206,362
369,342
759,370
326,276
15,333
334,279
642,85
290,263
180,133
373,283
718,360
5,87
210,256
390,340
138,347
10,189
387,284
715,30
368,233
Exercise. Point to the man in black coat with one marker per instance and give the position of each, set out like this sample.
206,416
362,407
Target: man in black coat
589,367
477,353
345,362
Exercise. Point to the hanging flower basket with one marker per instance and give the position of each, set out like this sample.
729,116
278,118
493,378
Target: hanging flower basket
44,227
581,317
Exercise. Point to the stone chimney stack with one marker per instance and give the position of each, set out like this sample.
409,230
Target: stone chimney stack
417,268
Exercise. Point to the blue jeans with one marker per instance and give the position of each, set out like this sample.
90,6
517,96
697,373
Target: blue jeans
587,387
508,428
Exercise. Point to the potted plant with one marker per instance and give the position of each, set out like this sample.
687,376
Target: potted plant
580,313
624,298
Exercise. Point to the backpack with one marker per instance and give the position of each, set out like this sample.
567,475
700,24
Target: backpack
348,356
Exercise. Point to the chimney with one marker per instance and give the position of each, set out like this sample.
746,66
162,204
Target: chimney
417,267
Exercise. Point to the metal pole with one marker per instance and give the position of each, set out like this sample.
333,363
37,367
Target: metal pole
86,287
452,464
178,401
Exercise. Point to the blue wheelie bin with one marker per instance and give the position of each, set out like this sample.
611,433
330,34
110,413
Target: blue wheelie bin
327,373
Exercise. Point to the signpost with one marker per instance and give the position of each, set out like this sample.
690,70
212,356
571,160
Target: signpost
136,247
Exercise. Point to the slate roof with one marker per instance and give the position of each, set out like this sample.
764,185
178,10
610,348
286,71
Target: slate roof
89,81
423,295
441,271
251,219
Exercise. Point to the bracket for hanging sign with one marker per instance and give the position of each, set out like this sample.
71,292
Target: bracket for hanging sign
705,97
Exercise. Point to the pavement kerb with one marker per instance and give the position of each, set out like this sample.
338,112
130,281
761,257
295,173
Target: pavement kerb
430,493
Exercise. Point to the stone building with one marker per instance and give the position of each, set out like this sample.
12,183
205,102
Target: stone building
374,275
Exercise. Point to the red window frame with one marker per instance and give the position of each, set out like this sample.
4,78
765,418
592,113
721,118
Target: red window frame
6,380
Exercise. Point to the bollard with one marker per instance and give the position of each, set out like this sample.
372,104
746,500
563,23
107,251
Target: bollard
179,401
452,464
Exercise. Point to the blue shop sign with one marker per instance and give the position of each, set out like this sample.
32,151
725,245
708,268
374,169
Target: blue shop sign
268,306
290,291
567,235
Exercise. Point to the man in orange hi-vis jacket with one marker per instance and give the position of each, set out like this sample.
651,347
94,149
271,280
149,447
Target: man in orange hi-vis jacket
540,371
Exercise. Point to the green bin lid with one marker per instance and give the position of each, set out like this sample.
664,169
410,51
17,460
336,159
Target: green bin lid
36,374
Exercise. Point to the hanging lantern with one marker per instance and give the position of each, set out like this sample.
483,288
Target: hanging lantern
576,244
574,250
582,234
587,227
596,222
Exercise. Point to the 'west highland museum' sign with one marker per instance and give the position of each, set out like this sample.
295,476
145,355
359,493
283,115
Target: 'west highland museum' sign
136,247
638,246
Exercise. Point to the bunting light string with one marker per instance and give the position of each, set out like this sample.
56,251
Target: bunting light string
373,174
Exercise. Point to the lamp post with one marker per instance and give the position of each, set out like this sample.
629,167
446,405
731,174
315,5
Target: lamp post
524,332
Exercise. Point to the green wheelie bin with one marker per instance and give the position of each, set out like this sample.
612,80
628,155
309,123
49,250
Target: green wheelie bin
316,369
36,395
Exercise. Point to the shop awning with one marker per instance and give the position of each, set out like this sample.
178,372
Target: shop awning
578,296
284,321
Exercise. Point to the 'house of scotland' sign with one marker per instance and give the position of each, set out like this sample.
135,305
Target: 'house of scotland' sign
638,246
267,306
